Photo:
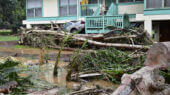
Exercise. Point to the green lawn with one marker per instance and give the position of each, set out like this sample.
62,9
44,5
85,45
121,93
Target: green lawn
8,38
5,32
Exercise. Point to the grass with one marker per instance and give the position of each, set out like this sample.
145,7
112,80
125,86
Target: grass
5,35
5,32
8,38
22,46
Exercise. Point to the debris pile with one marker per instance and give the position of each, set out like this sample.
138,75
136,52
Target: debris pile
109,64
118,38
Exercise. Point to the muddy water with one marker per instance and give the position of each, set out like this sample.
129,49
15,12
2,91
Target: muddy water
31,57
32,53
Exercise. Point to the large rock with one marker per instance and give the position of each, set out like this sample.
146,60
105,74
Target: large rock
147,80
159,55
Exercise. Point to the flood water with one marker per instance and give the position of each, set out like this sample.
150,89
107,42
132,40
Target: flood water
31,57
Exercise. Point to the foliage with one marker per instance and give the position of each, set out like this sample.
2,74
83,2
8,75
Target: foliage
31,81
5,32
9,38
111,63
12,12
8,72
62,45
166,75
75,61
141,36
39,40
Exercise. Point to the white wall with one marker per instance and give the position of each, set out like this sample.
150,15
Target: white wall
148,20
131,9
50,8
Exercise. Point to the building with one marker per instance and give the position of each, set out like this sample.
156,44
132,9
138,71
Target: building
97,14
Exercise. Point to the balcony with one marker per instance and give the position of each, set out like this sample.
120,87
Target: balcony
99,24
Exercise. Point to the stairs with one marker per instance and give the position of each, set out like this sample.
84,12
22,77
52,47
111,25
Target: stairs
112,10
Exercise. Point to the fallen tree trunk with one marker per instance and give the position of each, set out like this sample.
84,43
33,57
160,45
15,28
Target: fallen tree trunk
120,37
116,45
83,91
146,81
53,91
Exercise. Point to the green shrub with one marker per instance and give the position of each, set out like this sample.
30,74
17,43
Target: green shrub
111,63
9,72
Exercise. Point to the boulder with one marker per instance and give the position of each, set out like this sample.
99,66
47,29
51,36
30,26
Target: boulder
159,55
147,80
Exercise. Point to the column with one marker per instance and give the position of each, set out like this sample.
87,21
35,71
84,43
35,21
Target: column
78,9
148,26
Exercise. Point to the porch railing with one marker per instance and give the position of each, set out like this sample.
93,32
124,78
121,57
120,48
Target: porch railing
101,23
88,9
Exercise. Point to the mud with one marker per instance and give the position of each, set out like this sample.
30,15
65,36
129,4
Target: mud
34,53
8,43
31,57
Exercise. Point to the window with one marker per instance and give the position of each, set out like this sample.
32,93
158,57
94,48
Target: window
122,1
167,3
154,3
34,8
139,0
93,1
68,7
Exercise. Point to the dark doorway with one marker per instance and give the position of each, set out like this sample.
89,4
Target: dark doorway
164,31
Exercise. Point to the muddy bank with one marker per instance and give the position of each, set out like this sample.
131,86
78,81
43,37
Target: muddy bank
64,57
34,53
8,43
31,51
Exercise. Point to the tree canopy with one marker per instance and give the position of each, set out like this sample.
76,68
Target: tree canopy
12,12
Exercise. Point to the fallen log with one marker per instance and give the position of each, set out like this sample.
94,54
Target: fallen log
90,75
53,91
120,37
112,32
116,45
82,91
91,91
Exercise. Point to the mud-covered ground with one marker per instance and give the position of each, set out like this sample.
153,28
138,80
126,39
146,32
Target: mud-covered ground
31,57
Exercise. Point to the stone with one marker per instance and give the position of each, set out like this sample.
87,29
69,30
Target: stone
13,59
77,86
147,80
159,55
